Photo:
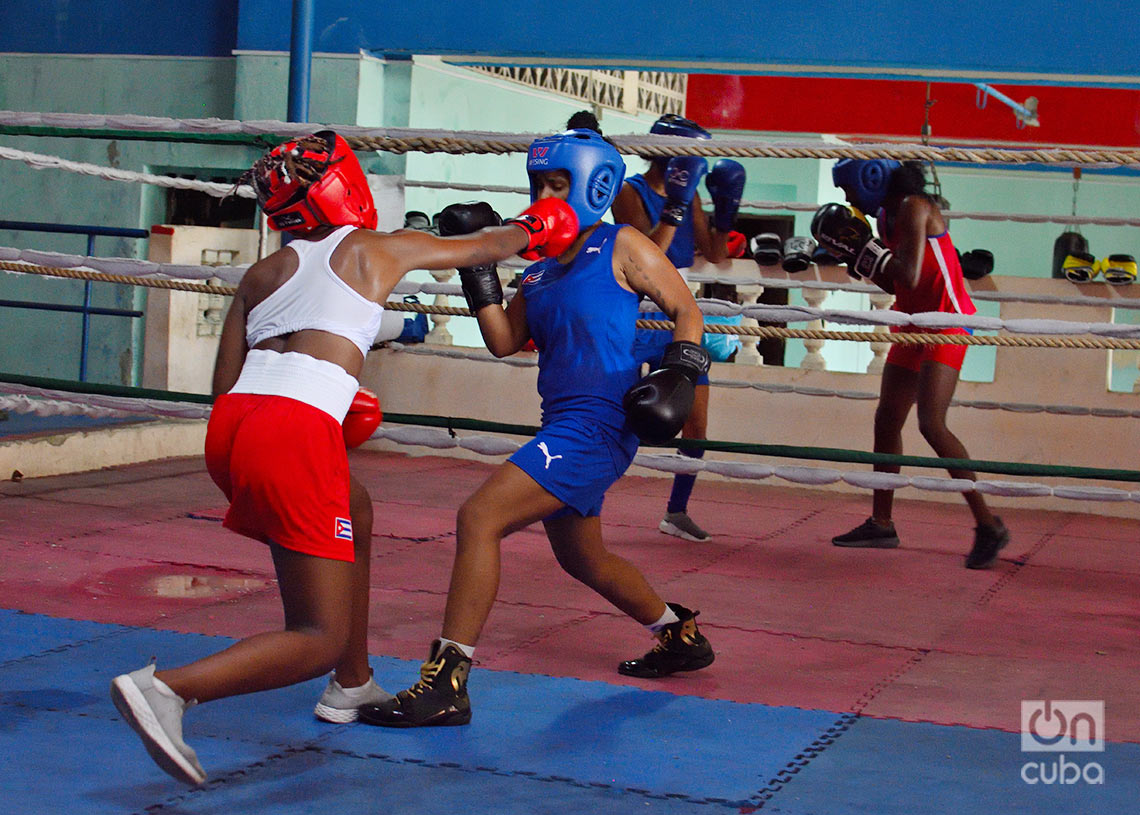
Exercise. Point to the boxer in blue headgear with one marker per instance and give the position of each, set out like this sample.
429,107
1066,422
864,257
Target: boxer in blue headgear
664,204
865,181
580,308
595,167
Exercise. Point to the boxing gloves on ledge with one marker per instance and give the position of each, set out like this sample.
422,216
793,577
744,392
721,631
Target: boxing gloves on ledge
793,255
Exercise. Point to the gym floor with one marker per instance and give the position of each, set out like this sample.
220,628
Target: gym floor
846,681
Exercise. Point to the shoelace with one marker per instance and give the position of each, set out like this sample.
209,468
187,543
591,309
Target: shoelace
428,672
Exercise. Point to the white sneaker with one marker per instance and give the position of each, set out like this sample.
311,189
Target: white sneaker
155,713
339,705
680,525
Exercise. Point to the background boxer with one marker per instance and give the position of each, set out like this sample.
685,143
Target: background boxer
579,306
915,261
664,204
291,350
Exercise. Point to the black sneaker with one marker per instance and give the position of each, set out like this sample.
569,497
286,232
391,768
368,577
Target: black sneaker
869,535
988,541
439,699
680,647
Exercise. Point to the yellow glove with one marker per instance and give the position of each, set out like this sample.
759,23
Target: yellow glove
1080,267
1119,269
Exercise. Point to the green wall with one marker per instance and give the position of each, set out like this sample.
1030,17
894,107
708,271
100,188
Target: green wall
421,93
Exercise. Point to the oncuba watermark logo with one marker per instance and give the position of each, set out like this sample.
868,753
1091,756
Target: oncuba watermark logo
1057,727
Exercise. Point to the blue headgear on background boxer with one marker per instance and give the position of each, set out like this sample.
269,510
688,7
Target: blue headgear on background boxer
673,125
595,167
865,180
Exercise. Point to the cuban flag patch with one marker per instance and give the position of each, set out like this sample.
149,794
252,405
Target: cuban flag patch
343,529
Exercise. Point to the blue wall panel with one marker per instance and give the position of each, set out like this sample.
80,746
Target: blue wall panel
881,37
1020,40
202,28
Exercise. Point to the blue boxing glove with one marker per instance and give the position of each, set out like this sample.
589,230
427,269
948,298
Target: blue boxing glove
682,175
725,184
656,407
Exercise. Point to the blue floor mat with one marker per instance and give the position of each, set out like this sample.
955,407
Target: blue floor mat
536,744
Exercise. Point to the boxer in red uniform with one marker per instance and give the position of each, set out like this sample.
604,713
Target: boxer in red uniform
292,347
916,262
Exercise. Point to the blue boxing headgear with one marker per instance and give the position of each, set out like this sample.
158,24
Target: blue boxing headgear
673,125
865,179
595,167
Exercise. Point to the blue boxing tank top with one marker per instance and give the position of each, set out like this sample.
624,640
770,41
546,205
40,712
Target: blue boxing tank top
582,322
683,248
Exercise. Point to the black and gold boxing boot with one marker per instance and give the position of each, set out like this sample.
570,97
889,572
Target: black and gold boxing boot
680,647
439,699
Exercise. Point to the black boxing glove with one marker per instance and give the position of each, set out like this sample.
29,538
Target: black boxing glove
767,249
847,236
797,253
657,406
977,263
481,286
463,219
414,219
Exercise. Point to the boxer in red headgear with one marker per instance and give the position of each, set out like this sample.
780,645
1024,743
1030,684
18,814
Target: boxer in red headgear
292,347
311,182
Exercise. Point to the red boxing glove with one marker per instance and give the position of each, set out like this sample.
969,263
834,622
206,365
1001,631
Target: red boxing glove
362,419
736,243
551,226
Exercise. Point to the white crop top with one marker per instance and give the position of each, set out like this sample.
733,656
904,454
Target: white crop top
315,298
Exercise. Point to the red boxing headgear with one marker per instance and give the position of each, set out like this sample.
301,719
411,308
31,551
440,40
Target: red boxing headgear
313,181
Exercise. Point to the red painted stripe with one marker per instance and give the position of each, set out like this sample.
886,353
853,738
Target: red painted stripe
1081,116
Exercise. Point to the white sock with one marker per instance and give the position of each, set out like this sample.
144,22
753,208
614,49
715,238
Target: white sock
467,650
668,617
358,692
359,689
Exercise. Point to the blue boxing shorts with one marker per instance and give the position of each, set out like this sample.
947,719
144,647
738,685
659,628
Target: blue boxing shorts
576,460
649,344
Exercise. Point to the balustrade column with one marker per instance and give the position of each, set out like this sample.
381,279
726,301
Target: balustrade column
439,335
814,360
881,301
748,353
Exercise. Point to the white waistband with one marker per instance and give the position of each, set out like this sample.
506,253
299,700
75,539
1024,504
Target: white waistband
324,385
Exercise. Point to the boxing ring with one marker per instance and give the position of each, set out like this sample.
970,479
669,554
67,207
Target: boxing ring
845,680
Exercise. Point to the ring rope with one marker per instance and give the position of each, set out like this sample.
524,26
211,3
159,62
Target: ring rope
40,161
233,274
904,338
37,399
791,206
529,361
401,140
763,312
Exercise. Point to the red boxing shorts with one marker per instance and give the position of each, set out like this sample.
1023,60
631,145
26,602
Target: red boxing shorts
282,464
911,357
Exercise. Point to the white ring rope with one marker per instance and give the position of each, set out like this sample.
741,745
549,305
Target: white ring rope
762,312
397,139
40,161
454,352
43,402
1076,220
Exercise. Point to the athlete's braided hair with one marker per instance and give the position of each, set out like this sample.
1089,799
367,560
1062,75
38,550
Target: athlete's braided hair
292,164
